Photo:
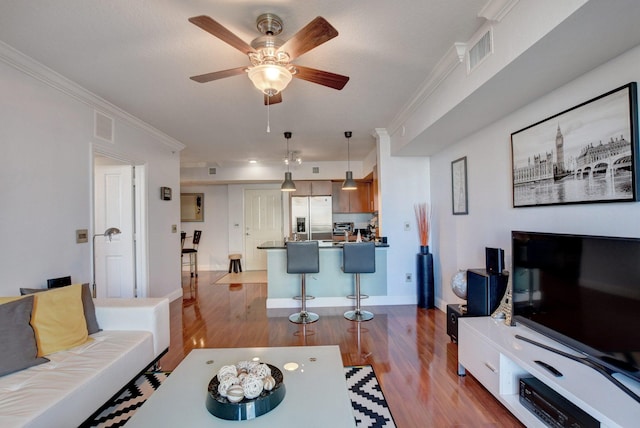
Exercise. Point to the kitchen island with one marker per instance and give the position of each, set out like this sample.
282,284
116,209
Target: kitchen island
330,286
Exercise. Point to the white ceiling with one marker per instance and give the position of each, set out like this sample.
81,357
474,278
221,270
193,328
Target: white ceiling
139,55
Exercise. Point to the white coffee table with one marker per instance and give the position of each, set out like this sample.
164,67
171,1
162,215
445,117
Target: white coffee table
316,392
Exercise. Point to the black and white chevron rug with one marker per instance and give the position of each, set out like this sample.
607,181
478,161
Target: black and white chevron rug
367,400
370,408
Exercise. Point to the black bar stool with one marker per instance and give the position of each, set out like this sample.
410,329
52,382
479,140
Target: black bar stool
192,252
234,263
303,258
357,258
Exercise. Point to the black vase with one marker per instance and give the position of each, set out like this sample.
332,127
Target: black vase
424,278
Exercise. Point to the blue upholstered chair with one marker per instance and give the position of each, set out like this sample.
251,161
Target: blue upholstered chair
302,258
357,258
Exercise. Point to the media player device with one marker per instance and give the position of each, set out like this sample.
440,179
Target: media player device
552,408
494,259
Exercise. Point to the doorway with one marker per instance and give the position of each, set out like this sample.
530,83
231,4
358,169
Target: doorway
262,222
117,202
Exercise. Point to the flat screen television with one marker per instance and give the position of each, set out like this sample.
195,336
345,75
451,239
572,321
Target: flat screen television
583,291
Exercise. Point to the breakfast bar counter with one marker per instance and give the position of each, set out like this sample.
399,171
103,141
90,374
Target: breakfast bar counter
330,286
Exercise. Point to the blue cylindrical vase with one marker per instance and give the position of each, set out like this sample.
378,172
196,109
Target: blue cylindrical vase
424,278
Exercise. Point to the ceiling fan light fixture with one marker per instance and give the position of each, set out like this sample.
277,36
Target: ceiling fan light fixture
270,79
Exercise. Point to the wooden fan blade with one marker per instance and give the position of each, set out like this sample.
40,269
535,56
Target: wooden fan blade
204,78
218,30
332,80
274,99
314,34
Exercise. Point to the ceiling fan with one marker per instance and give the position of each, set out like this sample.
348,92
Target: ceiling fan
271,69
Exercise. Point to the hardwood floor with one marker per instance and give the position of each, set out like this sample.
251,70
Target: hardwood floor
408,347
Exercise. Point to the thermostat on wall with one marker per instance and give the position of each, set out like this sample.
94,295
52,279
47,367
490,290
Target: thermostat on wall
165,193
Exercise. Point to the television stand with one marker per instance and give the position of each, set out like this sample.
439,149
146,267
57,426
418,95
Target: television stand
492,353
606,372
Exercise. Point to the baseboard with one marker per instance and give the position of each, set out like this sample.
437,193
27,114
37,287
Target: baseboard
174,295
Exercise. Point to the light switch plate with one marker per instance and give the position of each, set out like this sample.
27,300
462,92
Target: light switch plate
82,236
174,228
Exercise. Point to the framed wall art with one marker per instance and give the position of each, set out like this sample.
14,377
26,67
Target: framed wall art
459,195
585,154
192,206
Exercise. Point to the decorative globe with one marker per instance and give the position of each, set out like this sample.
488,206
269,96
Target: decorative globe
459,284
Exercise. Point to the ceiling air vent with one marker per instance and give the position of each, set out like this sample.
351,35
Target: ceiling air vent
212,171
480,50
102,126
315,170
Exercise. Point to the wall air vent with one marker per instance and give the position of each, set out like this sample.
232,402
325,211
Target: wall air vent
480,50
102,126
212,171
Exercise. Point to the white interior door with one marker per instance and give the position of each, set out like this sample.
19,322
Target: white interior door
114,260
263,222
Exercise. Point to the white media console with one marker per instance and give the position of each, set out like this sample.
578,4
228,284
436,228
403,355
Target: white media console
489,350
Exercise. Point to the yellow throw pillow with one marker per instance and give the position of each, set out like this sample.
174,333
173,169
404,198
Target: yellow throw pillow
58,319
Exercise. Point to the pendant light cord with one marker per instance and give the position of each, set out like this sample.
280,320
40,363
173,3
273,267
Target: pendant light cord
287,156
348,155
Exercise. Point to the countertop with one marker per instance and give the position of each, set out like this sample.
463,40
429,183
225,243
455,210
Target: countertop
275,245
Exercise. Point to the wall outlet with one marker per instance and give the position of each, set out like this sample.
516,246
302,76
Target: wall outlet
407,277
407,226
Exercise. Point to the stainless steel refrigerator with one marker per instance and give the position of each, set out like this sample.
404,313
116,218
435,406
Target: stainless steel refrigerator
312,217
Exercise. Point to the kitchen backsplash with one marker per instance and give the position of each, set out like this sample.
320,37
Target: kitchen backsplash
359,220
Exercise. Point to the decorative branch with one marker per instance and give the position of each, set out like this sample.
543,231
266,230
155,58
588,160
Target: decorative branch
423,219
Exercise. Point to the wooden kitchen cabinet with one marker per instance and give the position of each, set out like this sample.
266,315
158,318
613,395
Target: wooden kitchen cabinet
312,188
374,189
352,201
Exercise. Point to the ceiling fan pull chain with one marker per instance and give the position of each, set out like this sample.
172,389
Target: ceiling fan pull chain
268,104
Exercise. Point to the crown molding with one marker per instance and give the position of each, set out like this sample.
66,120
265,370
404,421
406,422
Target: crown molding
496,10
380,132
38,71
452,59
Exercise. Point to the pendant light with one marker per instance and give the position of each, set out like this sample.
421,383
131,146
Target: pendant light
349,183
288,185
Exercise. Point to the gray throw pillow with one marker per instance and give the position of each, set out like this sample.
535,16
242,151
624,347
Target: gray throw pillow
19,349
87,304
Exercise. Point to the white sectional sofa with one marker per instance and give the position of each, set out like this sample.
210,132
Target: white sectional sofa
76,382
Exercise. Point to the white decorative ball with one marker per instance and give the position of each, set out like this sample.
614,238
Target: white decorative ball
246,365
269,383
225,383
235,393
261,370
227,370
252,386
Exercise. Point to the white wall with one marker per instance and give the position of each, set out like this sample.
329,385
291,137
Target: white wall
223,225
271,172
460,240
46,130
404,182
